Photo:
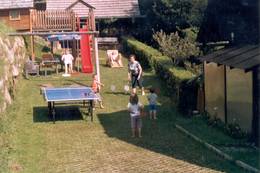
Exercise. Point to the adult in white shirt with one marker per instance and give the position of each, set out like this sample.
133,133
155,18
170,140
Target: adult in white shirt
67,58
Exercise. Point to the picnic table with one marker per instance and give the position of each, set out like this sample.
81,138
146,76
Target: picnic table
48,61
58,96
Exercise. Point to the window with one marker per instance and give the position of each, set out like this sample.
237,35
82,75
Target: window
14,15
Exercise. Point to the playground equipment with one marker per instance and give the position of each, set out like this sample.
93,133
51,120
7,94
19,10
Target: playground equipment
86,58
114,59
66,25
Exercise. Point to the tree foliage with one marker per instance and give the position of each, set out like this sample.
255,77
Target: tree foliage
176,47
231,20
169,15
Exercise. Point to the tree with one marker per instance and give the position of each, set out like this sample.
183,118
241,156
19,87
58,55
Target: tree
169,15
179,49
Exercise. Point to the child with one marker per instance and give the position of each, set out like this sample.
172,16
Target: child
135,108
67,58
152,98
96,86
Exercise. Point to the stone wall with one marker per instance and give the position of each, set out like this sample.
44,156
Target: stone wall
12,56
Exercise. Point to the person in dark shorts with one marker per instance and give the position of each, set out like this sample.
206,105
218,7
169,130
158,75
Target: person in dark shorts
152,99
135,74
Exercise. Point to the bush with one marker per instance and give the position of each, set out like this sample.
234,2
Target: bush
235,131
232,129
175,77
177,48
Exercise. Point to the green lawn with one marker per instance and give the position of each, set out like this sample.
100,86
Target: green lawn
32,143
237,148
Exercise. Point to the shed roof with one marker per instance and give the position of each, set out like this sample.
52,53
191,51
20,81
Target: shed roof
243,57
103,8
14,4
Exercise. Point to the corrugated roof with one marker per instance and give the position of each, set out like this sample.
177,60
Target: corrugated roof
103,8
243,57
14,4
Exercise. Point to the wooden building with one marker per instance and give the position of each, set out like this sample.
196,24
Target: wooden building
103,8
16,13
232,86
232,78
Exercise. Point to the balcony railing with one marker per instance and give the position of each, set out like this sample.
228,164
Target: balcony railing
54,20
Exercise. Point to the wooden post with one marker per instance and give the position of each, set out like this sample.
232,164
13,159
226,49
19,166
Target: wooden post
96,57
52,47
255,129
74,47
32,37
92,21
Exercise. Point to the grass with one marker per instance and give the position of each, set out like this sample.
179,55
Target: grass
4,29
33,144
2,63
249,156
237,148
39,46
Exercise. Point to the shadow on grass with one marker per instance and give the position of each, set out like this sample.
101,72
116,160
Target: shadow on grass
71,113
104,65
78,83
161,136
117,93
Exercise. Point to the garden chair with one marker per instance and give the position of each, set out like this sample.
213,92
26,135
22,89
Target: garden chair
31,68
114,59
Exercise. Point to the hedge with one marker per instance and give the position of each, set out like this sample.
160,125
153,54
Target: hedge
176,77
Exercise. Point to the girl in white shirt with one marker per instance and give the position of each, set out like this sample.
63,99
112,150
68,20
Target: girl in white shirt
135,109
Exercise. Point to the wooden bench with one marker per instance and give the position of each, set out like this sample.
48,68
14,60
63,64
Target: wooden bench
107,41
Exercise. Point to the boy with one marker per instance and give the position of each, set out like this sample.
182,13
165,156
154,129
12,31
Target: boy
96,87
152,98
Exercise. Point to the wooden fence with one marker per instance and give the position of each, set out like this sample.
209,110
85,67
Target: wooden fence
52,20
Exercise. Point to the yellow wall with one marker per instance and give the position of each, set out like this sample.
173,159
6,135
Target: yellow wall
214,90
240,97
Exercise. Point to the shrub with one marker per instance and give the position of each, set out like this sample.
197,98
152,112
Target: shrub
235,131
177,48
175,77
232,129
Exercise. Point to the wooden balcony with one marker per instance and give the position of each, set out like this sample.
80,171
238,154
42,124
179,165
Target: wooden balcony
52,20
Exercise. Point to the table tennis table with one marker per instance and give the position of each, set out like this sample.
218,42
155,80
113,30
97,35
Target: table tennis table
57,96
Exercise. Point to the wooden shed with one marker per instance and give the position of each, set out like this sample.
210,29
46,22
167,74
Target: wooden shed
232,86
103,8
16,13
